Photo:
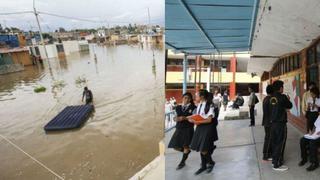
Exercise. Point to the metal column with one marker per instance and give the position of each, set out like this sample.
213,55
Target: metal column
185,71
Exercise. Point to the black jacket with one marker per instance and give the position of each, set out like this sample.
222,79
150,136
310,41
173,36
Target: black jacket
266,119
279,104
186,112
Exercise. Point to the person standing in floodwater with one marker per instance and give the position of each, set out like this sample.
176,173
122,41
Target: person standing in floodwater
182,137
88,94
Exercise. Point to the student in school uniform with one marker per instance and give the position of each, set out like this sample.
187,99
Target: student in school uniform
204,135
279,104
217,99
225,100
266,123
312,108
305,97
310,143
253,100
182,137
214,123
309,147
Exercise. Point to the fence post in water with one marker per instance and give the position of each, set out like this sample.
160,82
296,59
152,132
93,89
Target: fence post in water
185,66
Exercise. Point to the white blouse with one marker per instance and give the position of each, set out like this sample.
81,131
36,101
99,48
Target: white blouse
201,111
317,103
317,125
217,99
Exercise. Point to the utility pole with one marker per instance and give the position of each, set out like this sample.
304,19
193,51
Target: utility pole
149,20
40,32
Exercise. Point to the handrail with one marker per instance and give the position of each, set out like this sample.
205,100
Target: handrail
169,122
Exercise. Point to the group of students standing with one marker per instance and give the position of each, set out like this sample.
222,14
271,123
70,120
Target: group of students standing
310,142
275,107
274,120
202,139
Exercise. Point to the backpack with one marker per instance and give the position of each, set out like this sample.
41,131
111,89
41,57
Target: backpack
256,100
225,97
241,101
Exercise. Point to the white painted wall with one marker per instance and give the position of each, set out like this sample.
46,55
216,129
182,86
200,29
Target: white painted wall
51,50
289,26
70,47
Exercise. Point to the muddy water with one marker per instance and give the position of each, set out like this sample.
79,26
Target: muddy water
120,137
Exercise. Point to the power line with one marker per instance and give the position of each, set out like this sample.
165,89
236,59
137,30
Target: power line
82,19
13,13
69,17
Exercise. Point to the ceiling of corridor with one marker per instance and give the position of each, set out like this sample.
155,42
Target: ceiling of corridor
279,27
282,27
209,26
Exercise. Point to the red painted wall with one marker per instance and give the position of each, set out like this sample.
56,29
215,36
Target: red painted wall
177,94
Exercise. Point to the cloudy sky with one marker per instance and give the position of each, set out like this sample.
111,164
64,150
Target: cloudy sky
111,12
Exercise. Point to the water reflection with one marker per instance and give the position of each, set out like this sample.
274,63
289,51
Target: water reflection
63,63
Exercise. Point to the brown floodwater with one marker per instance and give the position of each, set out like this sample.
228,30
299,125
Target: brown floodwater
120,137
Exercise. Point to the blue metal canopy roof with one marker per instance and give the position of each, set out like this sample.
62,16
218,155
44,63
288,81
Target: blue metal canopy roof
210,26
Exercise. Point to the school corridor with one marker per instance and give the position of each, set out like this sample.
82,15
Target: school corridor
239,155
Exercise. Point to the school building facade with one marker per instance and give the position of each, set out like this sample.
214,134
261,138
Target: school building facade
223,72
296,70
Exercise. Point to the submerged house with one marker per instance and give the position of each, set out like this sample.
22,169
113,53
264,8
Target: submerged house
14,60
15,56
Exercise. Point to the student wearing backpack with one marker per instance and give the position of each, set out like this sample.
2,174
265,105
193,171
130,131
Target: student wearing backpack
253,100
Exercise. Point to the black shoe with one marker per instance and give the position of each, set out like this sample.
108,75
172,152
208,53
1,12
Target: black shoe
312,167
181,165
199,171
210,167
251,125
184,158
203,164
302,162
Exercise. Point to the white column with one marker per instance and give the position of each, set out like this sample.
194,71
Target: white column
208,79
185,73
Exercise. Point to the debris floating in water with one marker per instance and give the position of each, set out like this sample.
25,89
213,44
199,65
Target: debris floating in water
81,81
39,89
58,84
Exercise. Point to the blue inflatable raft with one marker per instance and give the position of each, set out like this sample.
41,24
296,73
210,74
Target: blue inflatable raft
70,117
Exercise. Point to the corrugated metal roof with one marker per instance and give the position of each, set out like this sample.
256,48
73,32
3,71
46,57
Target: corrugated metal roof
210,26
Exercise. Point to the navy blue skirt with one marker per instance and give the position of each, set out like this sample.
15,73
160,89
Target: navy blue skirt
181,138
203,138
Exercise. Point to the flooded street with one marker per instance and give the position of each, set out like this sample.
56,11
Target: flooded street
119,139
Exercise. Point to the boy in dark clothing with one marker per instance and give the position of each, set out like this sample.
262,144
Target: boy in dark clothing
88,94
253,100
279,104
266,122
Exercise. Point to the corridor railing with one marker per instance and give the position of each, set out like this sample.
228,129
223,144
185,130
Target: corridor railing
169,121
